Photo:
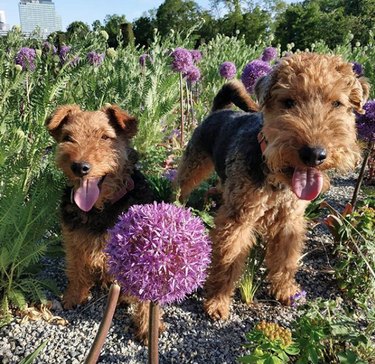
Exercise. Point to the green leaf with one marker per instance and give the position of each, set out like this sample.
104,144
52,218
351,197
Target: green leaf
292,349
17,297
349,357
273,360
30,358
313,355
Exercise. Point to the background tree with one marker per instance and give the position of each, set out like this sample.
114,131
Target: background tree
96,25
143,28
77,29
179,15
58,38
112,25
363,18
127,34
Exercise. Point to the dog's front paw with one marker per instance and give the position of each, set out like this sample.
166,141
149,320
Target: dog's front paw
217,309
285,293
72,299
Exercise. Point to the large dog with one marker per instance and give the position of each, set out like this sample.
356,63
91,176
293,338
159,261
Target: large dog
271,163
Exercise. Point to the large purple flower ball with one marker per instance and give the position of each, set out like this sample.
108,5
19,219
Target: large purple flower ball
63,53
269,54
193,74
252,72
357,69
196,55
366,122
158,252
95,59
26,58
227,70
182,60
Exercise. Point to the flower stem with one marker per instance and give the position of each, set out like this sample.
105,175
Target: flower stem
113,295
361,175
182,111
153,334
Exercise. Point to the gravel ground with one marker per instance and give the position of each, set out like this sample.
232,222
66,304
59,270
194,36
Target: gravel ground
190,336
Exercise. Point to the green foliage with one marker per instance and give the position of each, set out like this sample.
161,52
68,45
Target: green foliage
248,284
26,218
270,344
323,333
326,334
354,232
162,188
314,209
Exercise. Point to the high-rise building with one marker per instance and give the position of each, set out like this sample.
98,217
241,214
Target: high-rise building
3,23
39,14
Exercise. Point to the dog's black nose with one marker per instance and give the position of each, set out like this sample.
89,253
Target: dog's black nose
312,156
80,169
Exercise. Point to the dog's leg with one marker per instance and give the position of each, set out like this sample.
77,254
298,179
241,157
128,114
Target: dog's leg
79,270
231,240
195,167
141,319
283,253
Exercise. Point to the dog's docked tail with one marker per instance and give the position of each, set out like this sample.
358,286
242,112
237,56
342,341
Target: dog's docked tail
234,92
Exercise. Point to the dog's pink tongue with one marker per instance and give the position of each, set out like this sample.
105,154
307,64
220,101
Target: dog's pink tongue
87,193
307,183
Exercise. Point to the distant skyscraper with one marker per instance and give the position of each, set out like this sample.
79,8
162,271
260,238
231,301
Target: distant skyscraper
39,13
3,23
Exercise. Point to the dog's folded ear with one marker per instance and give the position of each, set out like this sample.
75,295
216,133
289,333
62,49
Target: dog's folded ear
59,117
359,94
121,120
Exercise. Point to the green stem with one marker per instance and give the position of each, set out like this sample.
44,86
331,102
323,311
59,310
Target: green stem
361,175
182,111
114,293
153,334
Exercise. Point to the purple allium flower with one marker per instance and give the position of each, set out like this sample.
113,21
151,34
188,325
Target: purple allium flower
158,252
193,74
357,68
227,70
366,122
174,134
49,48
298,299
196,55
252,72
95,59
269,54
182,60
63,54
26,58
170,174
143,58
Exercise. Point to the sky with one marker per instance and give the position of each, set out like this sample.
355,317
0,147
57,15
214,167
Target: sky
90,10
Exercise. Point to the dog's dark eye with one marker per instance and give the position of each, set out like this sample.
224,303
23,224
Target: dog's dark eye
67,138
288,103
336,104
105,137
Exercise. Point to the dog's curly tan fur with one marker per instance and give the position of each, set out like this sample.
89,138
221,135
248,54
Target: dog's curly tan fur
271,163
95,155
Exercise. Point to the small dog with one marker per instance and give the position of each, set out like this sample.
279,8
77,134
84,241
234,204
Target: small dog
271,163
94,154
